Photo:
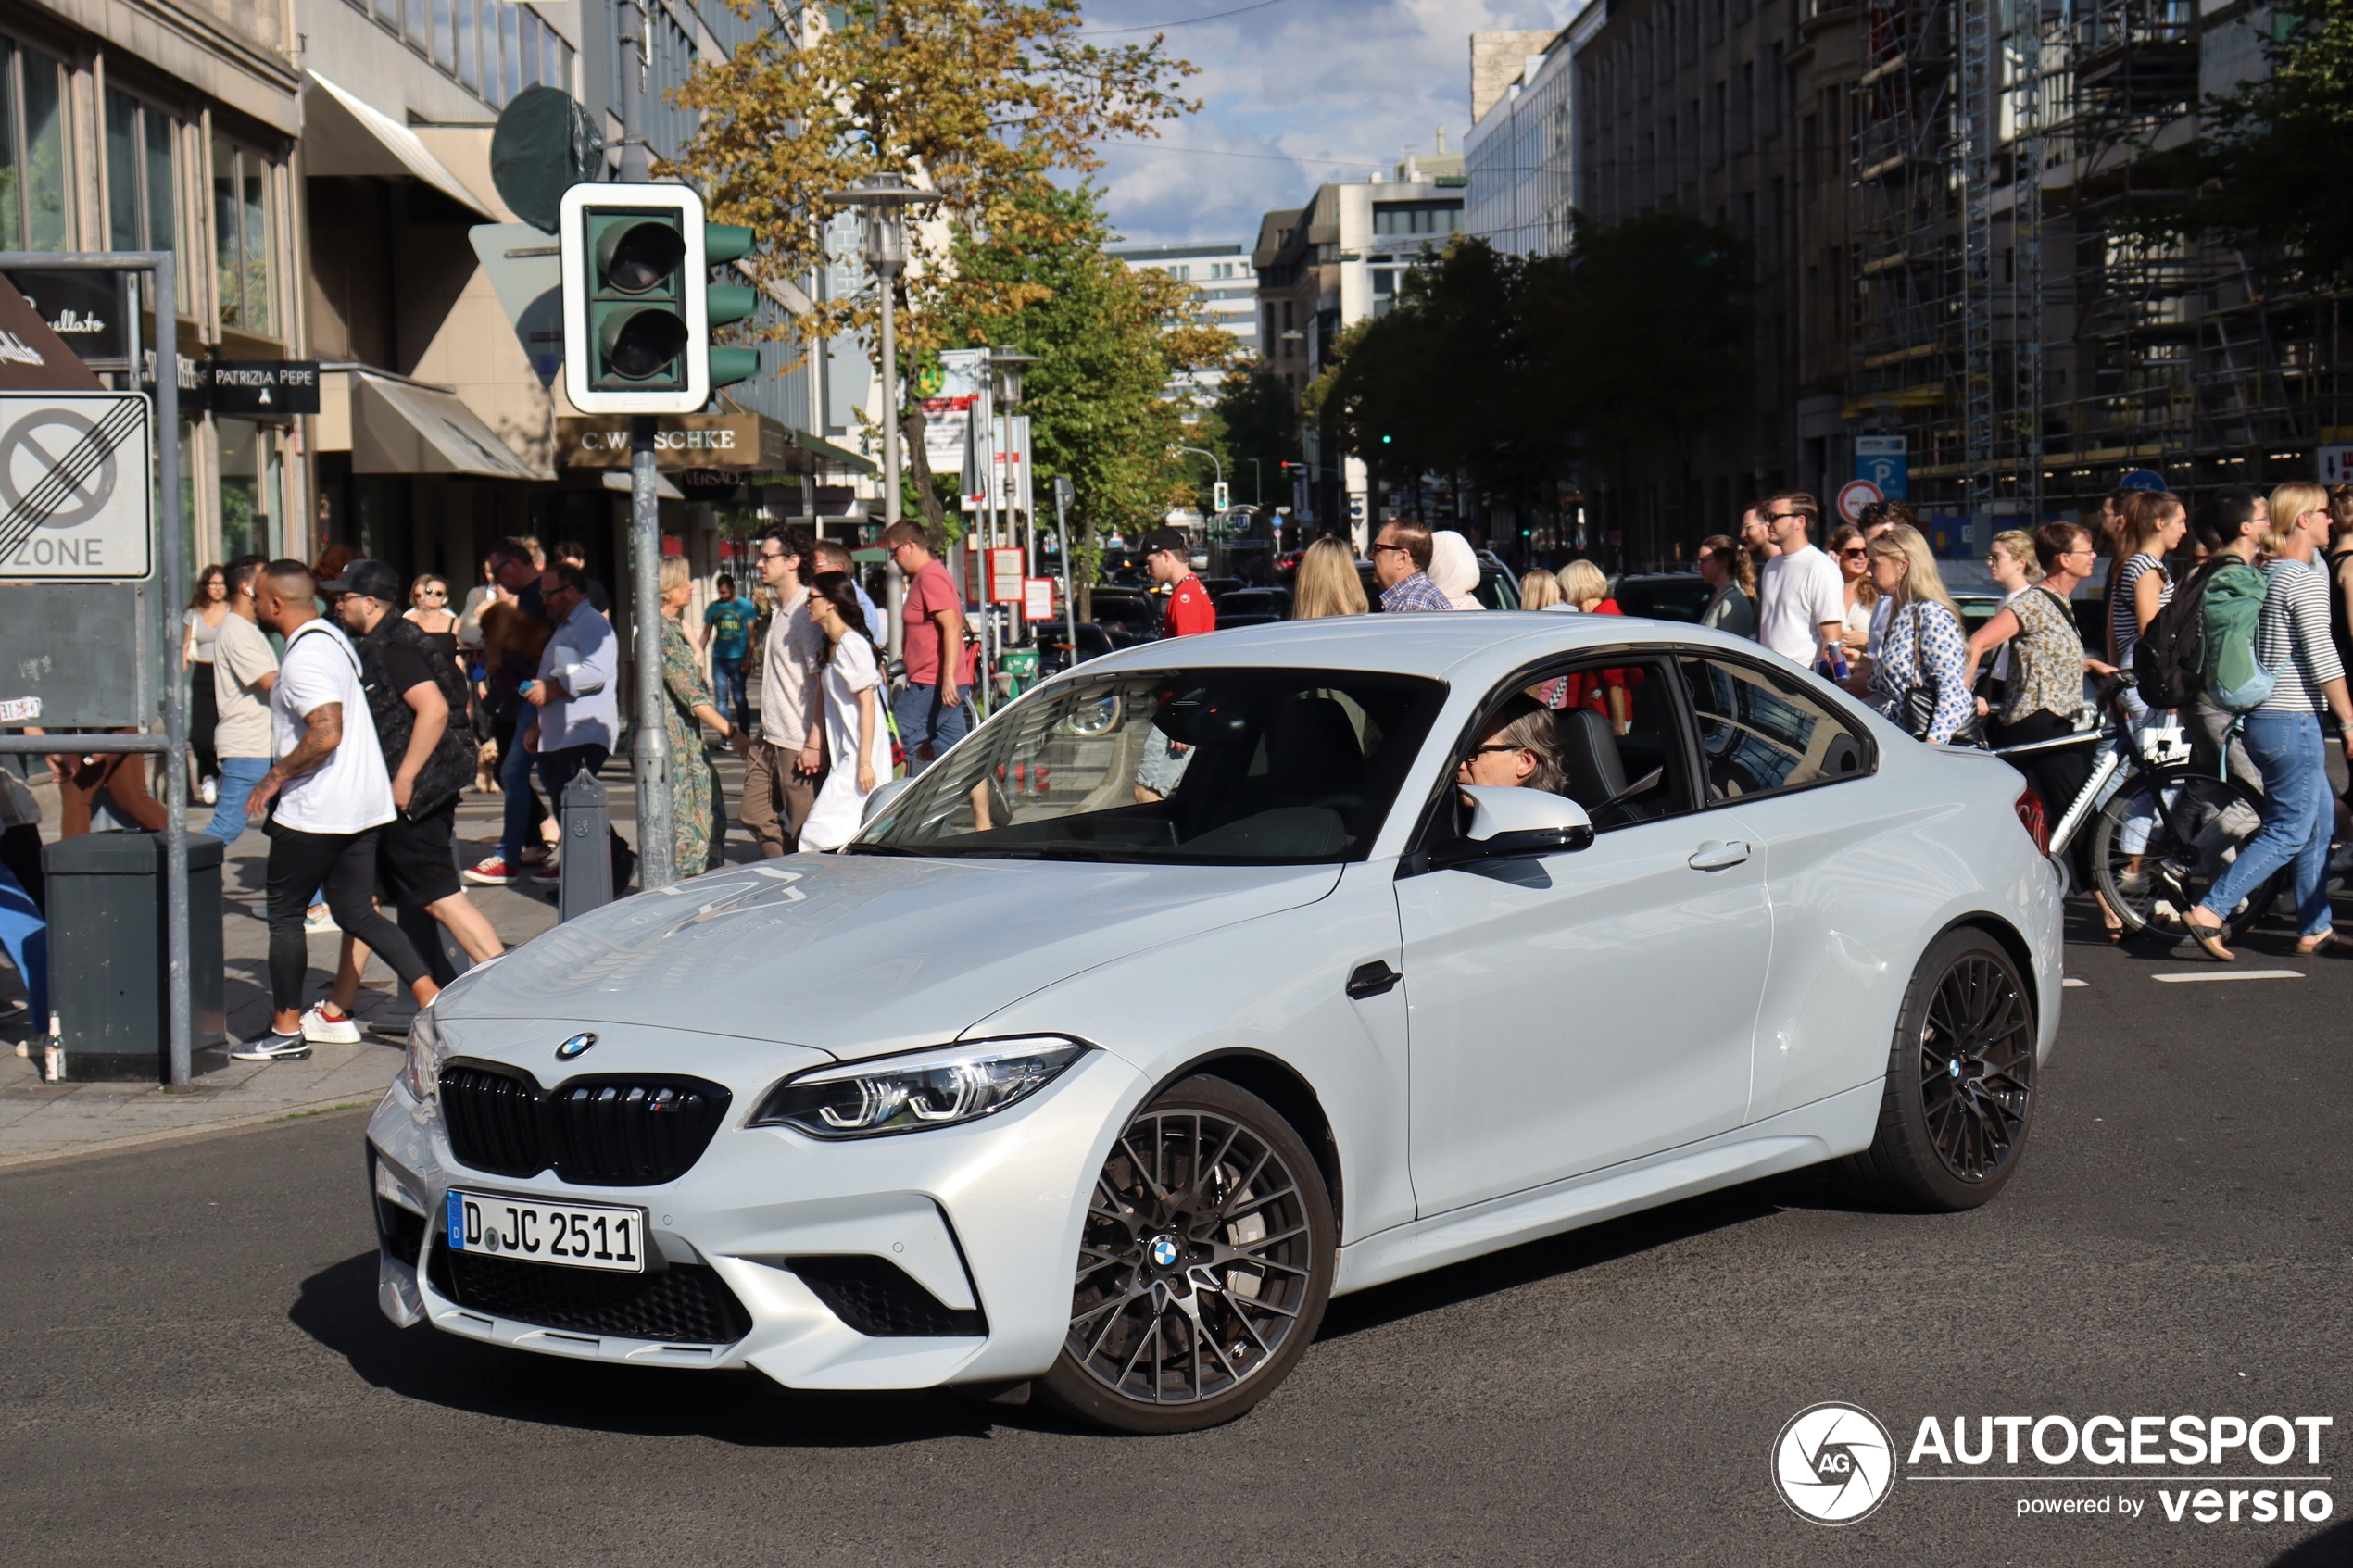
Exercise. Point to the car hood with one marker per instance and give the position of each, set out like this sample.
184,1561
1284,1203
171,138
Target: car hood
858,955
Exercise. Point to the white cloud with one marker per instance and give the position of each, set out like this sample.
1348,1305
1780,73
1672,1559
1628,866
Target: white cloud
1355,81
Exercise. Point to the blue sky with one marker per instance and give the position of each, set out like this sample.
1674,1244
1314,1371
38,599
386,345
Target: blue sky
1294,82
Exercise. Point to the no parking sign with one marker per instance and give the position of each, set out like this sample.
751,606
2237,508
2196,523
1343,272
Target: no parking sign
1853,495
75,486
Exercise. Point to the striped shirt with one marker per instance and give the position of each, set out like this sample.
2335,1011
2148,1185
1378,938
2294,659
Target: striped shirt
2293,637
2123,609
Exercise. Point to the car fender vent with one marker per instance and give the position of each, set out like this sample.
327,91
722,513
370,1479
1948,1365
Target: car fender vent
614,1130
881,1300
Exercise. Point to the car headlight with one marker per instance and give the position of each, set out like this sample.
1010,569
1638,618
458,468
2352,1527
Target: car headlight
935,1088
422,1073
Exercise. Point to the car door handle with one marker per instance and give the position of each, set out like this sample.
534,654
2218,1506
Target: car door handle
1717,853
1371,980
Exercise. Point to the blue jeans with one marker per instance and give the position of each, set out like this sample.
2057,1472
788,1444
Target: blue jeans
2298,814
514,782
924,719
238,775
727,689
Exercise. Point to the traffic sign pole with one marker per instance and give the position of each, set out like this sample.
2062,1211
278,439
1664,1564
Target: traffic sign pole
651,753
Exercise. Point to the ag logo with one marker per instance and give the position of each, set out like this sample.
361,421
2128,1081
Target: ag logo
1834,1464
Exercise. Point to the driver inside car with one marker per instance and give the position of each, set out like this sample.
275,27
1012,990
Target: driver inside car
1519,749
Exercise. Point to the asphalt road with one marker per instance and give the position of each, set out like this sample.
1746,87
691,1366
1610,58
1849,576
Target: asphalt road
193,1368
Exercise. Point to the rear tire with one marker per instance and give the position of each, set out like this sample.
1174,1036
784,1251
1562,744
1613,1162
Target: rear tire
1960,1082
1203,1269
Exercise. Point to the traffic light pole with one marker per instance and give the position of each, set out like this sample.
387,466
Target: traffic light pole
651,755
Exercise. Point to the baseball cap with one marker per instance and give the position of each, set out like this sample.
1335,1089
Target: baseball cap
372,579
1173,540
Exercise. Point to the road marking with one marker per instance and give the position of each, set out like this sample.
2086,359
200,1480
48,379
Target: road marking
2186,977
2072,983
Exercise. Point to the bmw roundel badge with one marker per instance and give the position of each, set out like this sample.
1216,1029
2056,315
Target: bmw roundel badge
575,1046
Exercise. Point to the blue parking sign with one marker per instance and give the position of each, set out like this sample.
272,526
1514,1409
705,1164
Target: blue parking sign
1886,462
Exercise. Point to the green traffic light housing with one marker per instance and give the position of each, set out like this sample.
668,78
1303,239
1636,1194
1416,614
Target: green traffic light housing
639,301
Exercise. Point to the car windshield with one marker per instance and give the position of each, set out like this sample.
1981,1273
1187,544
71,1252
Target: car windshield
1201,767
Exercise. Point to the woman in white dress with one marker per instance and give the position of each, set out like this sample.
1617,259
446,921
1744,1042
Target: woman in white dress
857,744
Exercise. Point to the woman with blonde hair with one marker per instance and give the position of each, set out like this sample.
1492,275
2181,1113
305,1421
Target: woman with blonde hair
1327,584
1540,590
1584,588
698,806
1921,681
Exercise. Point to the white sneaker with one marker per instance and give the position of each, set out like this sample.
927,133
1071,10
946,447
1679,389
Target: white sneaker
319,923
318,1028
209,791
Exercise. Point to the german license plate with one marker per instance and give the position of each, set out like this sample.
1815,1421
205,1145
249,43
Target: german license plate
576,1236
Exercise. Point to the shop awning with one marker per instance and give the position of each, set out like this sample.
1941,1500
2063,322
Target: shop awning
344,134
401,428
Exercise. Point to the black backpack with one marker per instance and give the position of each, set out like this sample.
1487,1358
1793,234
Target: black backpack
2169,663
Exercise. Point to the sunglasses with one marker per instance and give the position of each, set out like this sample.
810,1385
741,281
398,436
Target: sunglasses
1856,554
1379,548
1496,746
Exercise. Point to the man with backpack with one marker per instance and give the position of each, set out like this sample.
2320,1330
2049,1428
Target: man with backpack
2229,592
413,693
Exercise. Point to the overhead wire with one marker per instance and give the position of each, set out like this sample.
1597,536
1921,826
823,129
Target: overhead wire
1187,22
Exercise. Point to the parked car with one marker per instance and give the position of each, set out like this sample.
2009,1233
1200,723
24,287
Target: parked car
1055,1105
1664,595
1272,603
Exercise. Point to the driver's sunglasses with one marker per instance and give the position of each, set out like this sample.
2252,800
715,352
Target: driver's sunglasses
1497,746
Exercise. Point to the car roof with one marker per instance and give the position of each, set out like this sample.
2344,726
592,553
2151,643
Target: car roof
1464,645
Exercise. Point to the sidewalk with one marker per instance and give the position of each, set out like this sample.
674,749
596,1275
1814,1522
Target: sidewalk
42,1120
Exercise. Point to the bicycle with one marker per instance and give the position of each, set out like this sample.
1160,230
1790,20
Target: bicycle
2162,831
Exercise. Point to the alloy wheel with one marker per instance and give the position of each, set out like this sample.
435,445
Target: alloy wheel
1195,1263
1977,1068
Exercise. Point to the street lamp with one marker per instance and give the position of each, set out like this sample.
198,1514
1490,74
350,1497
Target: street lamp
1006,364
885,198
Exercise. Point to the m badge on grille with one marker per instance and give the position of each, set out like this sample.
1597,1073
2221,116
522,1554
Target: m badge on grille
575,1046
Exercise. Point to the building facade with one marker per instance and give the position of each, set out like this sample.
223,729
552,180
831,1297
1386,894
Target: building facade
1225,287
1519,160
1326,266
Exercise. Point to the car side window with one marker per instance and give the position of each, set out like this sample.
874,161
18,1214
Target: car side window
1620,754
1761,733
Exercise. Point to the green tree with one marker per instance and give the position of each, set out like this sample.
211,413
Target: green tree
979,100
1259,422
1107,341
2274,163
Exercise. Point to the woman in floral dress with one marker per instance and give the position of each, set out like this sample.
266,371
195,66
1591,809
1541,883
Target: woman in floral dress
697,806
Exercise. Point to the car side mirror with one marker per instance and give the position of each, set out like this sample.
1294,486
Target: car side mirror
1507,822
884,795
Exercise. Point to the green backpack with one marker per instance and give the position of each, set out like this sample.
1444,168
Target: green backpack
2233,605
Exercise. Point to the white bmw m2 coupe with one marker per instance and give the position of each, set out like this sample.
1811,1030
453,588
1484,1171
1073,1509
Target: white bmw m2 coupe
1217,977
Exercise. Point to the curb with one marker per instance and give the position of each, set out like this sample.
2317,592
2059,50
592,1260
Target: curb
307,1110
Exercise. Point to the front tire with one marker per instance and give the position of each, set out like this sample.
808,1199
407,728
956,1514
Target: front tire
1203,1269
1960,1082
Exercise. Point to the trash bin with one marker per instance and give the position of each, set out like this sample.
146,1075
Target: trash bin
107,952
1016,670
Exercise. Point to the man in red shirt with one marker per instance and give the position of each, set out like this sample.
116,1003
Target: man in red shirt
1168,555
930,711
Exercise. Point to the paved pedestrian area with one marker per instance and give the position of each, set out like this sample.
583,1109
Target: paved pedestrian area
41,1121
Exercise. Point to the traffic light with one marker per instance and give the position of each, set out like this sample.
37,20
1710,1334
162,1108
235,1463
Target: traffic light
638,303
1219,496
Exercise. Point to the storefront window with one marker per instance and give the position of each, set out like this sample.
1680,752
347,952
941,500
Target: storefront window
241,228
249,484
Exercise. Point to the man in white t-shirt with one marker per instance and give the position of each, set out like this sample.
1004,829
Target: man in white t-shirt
1801,604
333,793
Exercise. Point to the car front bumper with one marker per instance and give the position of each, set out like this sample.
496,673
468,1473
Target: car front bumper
777,1235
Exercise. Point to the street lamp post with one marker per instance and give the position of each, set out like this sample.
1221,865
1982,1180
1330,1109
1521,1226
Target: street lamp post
885,198
1214,463
1006,365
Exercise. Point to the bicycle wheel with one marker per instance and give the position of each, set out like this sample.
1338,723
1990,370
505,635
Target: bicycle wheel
2168,836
